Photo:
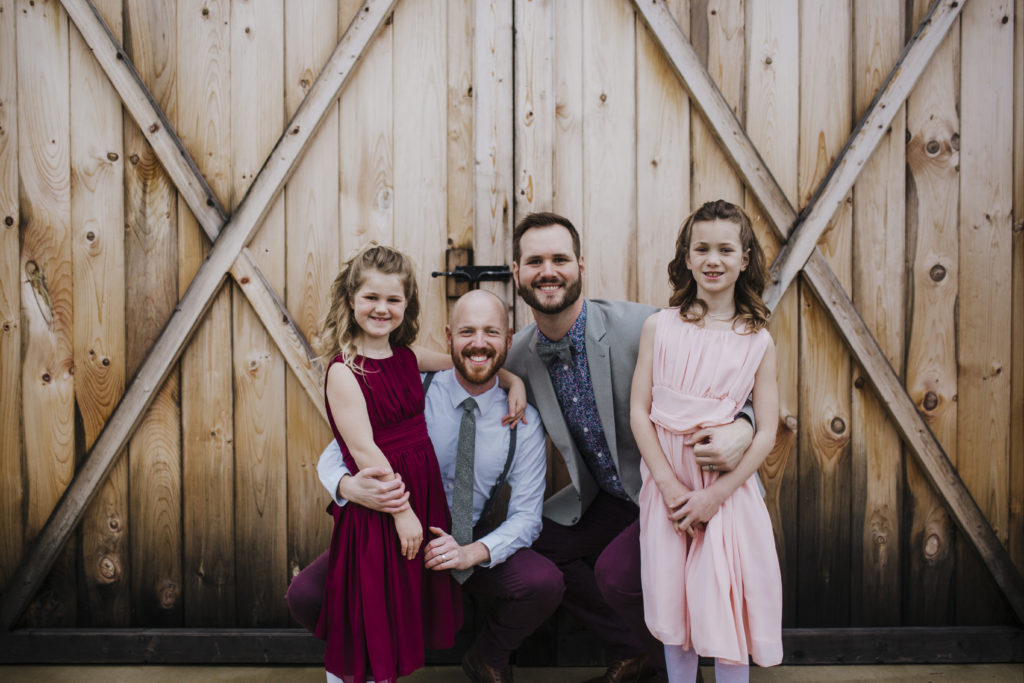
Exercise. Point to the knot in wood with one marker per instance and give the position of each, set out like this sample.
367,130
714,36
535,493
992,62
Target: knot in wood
105,362
154,128
134,159
244,281
932,546
604,97
768,60
932,147
109,570
114,524
31,268
931,401
168,593
46,378
859,383
838,425
8,221
90,236
954,142
937,272
112,156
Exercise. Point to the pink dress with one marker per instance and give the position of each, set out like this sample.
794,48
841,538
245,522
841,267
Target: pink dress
719,593
379,609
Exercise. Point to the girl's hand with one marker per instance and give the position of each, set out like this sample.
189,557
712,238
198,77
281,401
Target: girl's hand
516,402
697,510
673,493
410,533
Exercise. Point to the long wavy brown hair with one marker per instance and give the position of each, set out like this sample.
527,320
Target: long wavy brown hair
338,329
750,308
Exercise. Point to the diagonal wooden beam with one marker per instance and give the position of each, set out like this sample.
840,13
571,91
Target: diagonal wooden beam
169,345
819,275
194,189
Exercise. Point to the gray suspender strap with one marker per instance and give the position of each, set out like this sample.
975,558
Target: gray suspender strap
427,379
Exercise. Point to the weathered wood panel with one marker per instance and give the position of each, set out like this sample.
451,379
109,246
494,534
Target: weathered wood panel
204,123
878,247
824,432
12,520
151,265
97,220
983,309
933,162
312,237
47,380
772,106
1017,383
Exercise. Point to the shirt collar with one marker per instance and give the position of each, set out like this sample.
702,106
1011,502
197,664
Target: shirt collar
457,393
577,334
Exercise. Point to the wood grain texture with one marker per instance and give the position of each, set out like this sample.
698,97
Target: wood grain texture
257,96
567,176
1016,528
879,295
420,152
12,484
608,225
208,472
718,37
97,220
47,363
933,162
312,236
772,108
462,97
662,163
824,428
984,313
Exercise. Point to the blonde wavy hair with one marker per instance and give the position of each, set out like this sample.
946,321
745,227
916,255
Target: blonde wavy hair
338,329
750,308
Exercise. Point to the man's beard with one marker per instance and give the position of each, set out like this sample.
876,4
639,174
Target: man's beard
572,291
477,375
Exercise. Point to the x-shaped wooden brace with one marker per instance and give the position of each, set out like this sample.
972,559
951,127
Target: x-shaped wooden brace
229,254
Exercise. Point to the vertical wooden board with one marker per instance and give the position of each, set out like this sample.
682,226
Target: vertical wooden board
367,142
97,220
567,172
151,249
878,293
12,521
257,116
311,226
534,118
984,314
824,428
1017,382
204,90
772,108
420,152
47,388
493,149
461,98
933,162
717,30
608,227
662,165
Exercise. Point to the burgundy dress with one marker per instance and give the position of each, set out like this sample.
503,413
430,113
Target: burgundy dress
380,610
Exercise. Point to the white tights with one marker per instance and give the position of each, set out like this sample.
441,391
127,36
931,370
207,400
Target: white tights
682,667
331,678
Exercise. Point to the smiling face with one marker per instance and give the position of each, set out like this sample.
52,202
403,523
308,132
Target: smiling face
378,306
715,256
478,338
548,275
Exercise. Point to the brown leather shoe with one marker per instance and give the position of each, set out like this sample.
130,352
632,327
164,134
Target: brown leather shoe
480,671
635,670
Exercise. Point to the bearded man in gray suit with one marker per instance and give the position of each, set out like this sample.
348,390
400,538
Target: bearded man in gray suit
577,361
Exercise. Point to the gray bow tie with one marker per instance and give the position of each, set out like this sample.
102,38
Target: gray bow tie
561,349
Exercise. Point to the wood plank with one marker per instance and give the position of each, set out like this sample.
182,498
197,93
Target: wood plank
311,226
420,152
984,299
493,149
824,428
948,645
461,102
828,199
718,37
772,105
97,220
567,174
608,224
662,166
12,520
47,382
260,493
1016,529
198,298
207,434
933,159
535,122
878,292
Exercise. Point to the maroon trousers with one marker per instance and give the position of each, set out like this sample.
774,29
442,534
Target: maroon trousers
526,588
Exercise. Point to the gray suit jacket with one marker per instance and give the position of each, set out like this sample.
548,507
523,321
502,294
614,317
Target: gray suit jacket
613,340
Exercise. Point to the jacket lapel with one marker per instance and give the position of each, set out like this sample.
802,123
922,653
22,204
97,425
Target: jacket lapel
547,405
599,362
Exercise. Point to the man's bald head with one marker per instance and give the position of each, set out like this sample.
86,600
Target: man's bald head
480,303
478,338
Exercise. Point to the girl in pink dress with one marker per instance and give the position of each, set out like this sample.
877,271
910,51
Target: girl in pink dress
710,573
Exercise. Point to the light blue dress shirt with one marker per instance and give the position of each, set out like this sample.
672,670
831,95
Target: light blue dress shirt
526,476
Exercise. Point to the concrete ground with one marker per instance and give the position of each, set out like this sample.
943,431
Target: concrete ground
958,673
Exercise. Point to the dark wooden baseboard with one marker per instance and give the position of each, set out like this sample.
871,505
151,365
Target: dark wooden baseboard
911,645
